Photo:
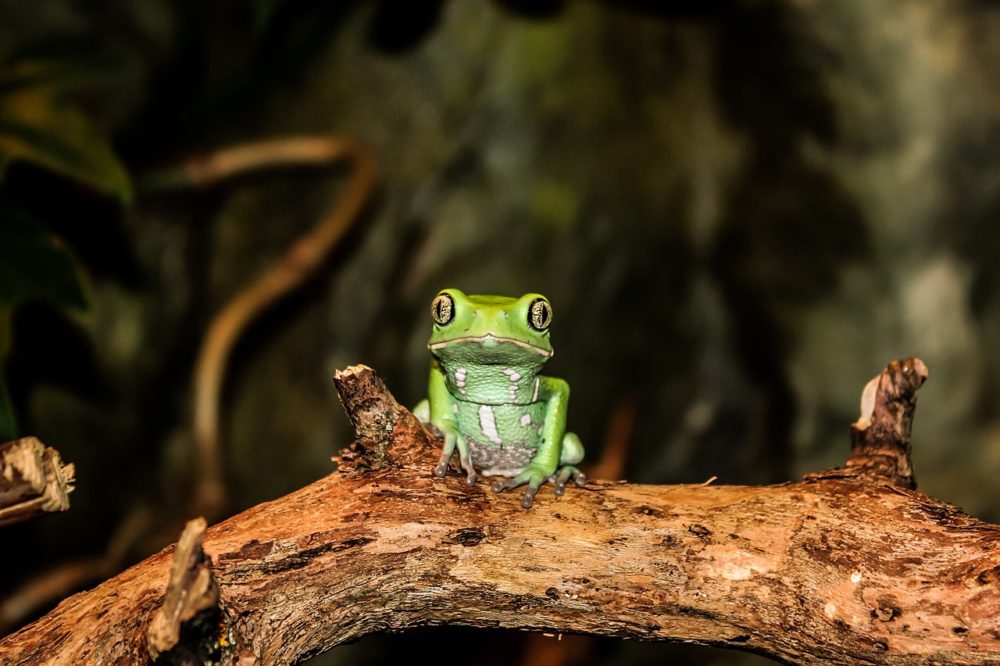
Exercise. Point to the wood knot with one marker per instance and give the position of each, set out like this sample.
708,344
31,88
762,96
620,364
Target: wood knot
467,536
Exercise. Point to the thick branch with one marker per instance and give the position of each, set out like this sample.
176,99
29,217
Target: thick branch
831,571
33,480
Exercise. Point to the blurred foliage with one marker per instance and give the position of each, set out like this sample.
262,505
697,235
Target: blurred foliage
38,125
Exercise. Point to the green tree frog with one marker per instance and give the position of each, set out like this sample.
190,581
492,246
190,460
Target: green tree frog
486,396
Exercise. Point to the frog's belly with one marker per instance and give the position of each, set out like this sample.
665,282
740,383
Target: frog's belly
502,438
497,461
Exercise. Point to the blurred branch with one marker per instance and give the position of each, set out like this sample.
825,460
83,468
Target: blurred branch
827,571
33,481
56,583
618,435
299,263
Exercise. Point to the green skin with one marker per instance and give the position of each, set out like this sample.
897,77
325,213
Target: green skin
487,398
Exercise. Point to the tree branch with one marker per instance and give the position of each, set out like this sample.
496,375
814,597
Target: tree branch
33,480
827,571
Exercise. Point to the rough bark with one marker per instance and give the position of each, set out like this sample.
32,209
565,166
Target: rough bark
33,481
191,591
852,570
880,438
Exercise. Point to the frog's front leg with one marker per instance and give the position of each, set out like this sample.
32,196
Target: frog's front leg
556,447
453,439
441,413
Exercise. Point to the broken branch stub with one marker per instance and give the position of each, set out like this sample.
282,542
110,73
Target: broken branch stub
880,438
33,480
379,422
191,590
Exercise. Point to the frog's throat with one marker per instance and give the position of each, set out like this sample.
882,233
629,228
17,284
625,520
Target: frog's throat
483,339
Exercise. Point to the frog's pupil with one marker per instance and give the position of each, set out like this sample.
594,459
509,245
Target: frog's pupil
442,309
540,315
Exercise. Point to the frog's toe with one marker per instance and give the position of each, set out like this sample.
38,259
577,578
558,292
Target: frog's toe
501,485
470,471
442,466
528,499
565,473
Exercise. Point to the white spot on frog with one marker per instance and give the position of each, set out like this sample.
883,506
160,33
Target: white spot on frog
512,389
856,577
525,420
534,396
488,424
454,408
512,375
460,374
830,610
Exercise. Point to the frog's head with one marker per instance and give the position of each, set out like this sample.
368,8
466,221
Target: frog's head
490,330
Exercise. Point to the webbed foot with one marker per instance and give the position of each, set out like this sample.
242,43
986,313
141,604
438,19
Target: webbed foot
564,474
532,475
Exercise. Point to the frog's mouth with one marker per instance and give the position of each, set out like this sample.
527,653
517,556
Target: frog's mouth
487,341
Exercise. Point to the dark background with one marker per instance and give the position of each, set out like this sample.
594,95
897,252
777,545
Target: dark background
740,212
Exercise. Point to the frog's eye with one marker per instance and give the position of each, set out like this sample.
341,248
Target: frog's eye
539,314
442,309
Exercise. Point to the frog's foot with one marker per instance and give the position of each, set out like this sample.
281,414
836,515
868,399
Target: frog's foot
563,475
531,475
442,466
453,440
464,463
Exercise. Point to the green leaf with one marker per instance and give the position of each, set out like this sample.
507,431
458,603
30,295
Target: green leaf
61,139
34,265
36,126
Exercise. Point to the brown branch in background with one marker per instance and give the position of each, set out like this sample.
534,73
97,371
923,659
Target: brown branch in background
56,583
33,480
830,571
617,437
880,438
298,264
305,256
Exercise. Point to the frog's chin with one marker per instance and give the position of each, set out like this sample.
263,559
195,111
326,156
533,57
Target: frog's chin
491,349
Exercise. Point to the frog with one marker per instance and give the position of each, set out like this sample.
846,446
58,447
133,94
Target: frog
488,399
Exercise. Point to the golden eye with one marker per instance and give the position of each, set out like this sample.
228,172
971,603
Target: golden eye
540,314
443,309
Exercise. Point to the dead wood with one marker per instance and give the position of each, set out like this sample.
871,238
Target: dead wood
33,480
848,570
190,591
